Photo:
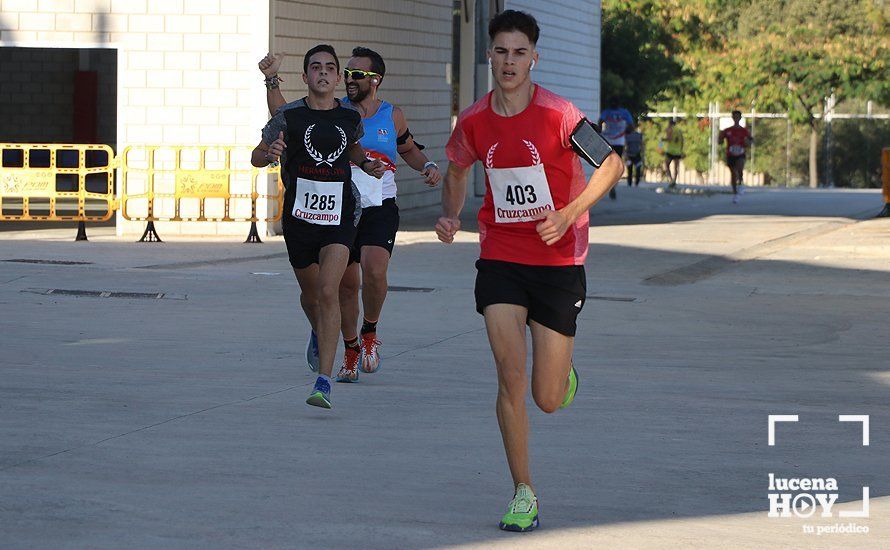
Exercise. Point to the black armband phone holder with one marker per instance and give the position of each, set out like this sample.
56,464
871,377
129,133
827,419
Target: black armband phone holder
589,144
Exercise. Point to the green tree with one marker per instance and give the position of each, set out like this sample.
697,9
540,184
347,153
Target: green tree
639,63
777,55
651,52
793,54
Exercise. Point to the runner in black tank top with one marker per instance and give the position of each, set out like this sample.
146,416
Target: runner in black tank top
387,137
318,138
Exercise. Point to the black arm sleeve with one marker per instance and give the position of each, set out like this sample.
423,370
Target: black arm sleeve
403,139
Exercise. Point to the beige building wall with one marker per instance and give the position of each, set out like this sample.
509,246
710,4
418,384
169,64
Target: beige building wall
186,69
569,49
414,38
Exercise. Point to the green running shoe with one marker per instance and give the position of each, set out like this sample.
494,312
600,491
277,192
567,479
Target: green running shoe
522,514
321,394
573,389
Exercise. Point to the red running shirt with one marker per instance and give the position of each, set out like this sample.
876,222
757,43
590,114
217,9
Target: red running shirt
736,140
535,141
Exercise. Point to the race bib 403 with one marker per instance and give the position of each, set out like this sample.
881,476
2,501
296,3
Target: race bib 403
519,194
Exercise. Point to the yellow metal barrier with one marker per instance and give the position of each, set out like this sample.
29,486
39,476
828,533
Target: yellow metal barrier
195,183
56,182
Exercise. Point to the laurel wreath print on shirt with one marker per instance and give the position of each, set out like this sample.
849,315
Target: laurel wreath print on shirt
318,157
536,157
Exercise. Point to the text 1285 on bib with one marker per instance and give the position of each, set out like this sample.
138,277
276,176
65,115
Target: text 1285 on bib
319,202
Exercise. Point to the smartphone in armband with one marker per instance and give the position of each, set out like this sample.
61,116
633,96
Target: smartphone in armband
589,144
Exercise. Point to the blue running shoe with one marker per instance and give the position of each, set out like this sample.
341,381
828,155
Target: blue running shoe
321,394
312,352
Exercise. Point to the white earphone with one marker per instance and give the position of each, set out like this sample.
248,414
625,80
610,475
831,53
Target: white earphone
374,81
532,68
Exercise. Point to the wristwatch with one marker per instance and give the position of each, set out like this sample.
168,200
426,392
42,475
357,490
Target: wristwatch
430,164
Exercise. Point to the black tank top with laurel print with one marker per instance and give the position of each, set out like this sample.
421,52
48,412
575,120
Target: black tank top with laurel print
317,143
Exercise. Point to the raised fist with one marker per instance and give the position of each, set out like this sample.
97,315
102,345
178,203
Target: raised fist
270,64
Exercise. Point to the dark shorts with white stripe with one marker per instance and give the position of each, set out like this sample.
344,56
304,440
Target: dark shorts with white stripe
377,227
553,295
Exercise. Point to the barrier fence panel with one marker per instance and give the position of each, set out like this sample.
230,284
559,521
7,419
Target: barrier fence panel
195,183
56,182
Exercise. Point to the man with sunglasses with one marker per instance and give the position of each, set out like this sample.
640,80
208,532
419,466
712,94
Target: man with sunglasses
386,136
321,206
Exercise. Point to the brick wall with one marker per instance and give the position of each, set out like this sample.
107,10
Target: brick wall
104,62
414,38
187,68
36,94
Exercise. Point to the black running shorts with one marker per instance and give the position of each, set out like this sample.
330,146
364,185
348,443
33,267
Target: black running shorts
305,240
553,295
377,227
733,160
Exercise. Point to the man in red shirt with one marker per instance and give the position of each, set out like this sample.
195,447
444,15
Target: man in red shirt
738,139
533,231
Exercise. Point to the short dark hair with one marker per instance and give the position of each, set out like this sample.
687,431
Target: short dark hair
512,20
315,50
377,64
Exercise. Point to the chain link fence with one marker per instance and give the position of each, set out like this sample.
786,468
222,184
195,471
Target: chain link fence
849,139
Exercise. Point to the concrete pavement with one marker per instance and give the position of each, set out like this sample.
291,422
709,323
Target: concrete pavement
178,420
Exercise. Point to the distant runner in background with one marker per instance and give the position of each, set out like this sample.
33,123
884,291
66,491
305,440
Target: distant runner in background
616,121
672,146
633,156
738,139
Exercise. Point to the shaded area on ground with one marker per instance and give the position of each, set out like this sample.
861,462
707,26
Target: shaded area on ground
181,422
